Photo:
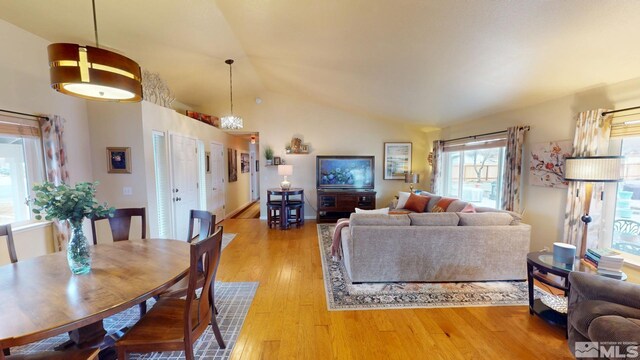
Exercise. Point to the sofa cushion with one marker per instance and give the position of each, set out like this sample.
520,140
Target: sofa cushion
434,219
376,211
585,312
434,199
468,209
517,218
379,220
614,328
402,199
484,219
417,203
458,206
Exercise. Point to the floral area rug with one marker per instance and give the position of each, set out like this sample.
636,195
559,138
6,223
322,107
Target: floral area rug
342,294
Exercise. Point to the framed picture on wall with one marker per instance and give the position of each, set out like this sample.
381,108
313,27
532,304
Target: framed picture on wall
276,160
244,163
397,160
232,155
119,160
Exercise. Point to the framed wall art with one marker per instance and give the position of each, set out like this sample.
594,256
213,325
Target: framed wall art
244,163
232,155
397,160
546,163
119,160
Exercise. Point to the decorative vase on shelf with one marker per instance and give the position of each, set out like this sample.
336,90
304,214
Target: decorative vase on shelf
78,253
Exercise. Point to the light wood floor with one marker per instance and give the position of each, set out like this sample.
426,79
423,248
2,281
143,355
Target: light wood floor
251,212
289,318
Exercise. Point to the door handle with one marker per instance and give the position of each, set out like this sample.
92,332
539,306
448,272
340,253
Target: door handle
214,189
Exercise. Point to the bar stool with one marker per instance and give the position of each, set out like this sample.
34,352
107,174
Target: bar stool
273,210
295,213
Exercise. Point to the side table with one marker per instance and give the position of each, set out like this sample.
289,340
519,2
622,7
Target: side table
539,265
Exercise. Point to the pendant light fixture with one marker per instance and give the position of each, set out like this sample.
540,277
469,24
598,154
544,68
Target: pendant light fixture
231,122
94,73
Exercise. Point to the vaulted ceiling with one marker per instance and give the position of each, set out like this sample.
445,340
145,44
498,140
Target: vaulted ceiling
429,62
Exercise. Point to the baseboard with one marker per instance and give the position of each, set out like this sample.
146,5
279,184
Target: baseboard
239,210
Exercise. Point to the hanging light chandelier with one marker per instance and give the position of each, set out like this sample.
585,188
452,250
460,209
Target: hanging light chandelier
231,122
94,73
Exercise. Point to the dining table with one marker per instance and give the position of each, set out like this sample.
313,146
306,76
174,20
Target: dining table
41,298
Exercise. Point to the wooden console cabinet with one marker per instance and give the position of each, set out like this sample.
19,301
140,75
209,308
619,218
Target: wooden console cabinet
336,204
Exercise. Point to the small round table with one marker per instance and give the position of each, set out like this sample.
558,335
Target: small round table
284,200
539,265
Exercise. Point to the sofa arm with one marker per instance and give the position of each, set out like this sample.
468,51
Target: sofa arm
594,287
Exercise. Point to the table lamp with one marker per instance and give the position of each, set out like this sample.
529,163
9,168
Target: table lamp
285,170
411,178
590,169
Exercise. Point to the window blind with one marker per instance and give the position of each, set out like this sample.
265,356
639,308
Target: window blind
10,125
625,126
163,192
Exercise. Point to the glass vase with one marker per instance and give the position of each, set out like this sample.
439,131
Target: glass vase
78,253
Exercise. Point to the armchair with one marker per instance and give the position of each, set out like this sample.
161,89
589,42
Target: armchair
602,310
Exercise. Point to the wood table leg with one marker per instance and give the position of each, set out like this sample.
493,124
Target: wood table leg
530,283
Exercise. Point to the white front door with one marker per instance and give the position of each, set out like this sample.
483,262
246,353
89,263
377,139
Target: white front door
184,190
216,198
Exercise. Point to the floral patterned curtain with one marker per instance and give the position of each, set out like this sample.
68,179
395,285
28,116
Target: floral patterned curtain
55,161
511,180
436,171
591,139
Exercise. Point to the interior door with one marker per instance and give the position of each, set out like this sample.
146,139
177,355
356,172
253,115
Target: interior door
216,201
184,190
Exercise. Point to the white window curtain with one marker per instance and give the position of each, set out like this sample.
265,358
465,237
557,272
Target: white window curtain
591,139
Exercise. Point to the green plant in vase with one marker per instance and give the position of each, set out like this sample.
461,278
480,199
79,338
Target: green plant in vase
268,154
72,204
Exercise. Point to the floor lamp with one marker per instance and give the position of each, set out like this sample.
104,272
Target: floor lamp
590,169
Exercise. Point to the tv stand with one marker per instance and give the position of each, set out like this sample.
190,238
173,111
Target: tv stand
334,204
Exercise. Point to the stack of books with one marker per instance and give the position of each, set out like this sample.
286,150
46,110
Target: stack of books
606,261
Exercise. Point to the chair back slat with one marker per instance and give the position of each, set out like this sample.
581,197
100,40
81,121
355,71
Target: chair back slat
120,223
5,230
207,221
198,310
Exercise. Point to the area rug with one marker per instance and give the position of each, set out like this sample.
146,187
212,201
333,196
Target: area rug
342,294
232,299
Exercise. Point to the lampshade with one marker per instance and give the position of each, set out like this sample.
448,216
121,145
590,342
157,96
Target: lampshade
285,170
93,73
594,168
411,178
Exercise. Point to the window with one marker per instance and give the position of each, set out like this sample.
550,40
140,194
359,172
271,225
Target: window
626,221
21,166
473,170
162,184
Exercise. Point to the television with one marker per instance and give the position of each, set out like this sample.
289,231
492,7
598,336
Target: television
345,172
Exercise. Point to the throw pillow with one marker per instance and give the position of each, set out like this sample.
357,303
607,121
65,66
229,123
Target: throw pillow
402,199
384,211
417,203
443,204
468,209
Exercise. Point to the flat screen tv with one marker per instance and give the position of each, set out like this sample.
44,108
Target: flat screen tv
345,172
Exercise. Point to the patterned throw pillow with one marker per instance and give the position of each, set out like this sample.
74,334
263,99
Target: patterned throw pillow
443,204
417,203
469,208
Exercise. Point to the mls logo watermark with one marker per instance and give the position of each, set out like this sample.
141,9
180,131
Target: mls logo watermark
610,350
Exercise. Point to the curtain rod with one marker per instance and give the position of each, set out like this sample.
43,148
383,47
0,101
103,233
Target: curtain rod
615,111
526,128
24,114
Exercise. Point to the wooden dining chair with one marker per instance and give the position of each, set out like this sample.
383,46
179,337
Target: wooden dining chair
5,230
120,224
85,354
175,324
207,222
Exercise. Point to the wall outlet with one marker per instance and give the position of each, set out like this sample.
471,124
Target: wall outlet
127,191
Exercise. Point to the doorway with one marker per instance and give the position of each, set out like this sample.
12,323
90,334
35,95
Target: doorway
216,191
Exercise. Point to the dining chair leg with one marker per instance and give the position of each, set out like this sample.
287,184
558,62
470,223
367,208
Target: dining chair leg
6,351
188,351
217,333
122,354
143,308
215,310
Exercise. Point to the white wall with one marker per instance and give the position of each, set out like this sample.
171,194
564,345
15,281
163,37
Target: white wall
552,120
25,87
328,131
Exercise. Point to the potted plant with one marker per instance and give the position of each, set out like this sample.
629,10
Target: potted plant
268,154
72,204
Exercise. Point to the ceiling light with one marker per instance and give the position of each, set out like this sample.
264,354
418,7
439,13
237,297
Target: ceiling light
253,139
93,73
231,122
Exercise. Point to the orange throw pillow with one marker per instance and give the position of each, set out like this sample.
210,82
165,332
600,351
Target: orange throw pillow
417,203
443,204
